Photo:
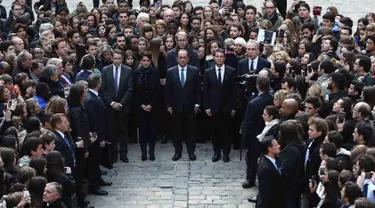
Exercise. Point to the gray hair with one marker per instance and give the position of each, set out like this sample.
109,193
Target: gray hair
143,15
44,27
229,44
57,188
49,71
54,61
20,58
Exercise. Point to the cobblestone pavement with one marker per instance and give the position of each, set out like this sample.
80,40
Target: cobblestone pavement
164,183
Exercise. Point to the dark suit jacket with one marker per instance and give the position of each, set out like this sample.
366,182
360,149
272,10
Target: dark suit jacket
243,66
66,151
79,123
270,194
57,204
220,97
172,58
314,160
125,87
253,122
97,115
146,94
182,99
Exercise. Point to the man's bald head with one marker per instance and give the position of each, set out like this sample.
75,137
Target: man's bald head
288,107
263,73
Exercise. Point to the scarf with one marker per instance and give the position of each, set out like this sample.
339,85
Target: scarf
269,125
143,75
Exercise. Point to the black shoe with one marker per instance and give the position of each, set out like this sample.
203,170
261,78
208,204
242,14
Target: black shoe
226,158
106,183
144,156
252,199
124,159
103,172
164,140
152,156
176,156
87,203
216,157
192,156
98,192
247,184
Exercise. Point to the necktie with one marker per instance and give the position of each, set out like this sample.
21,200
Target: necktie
251,66
116,78
219,75
182,77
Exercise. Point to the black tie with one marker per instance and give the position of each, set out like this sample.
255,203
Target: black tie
251,66
219,76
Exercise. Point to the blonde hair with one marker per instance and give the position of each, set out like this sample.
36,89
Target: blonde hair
314,90
281,95
283,55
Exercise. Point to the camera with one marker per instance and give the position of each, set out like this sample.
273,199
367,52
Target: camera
247,83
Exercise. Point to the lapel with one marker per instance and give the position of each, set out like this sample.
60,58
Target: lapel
189,74
226,74
62,140
176,74
272,165
122,78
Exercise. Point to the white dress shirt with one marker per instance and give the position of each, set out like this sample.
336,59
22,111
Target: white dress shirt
255,64
118,75
222,72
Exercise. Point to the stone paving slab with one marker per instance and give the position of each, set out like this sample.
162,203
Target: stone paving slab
164,183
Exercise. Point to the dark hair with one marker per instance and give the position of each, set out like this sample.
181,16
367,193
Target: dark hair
365,62
346,176
265,144
327,66
8,157
308,25
88,62
329,16
340,80
280,67
263,83
47,138
272,111
32,124
93,80
75,94
250,7
352,191
365,130
366,163
290,132
363,203
347,21
39,164
335,138
30,145
36,187
368,95
55,164
9,141
328,149
315,101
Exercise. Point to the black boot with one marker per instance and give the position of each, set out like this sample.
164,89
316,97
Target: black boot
144,155
152,155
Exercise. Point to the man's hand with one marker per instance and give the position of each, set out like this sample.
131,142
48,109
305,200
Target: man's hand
232,113
149,108
80,144
162,81
86,155
208,112
102,144
7,114
313,187
170,111
116,106
143,107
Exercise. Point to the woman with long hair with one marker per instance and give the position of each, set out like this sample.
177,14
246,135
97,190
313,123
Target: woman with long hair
184,21
169,42
147,85
158,53
56,173
291,160
36,187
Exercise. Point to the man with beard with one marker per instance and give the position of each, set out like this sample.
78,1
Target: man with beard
329,47
355,90
235,31
336,84
120,42
195,25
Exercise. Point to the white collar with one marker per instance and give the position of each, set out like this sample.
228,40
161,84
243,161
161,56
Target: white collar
222,67
95,92
179,67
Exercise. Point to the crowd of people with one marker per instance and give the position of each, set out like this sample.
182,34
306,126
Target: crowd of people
77,86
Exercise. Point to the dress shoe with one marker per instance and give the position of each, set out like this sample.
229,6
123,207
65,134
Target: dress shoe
124,159
87,203
164,140
98,192
247,184
252,199
103,172
144,156
152,156
216,157
176,156
106,183
192,156
226,158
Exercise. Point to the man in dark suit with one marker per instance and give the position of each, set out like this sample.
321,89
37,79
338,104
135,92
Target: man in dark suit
254,63
64,145
220,103
97,115
182,43
182,100
252,126
269,176
117,91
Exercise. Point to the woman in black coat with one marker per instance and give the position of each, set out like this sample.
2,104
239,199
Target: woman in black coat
291,161
79,123
146,84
